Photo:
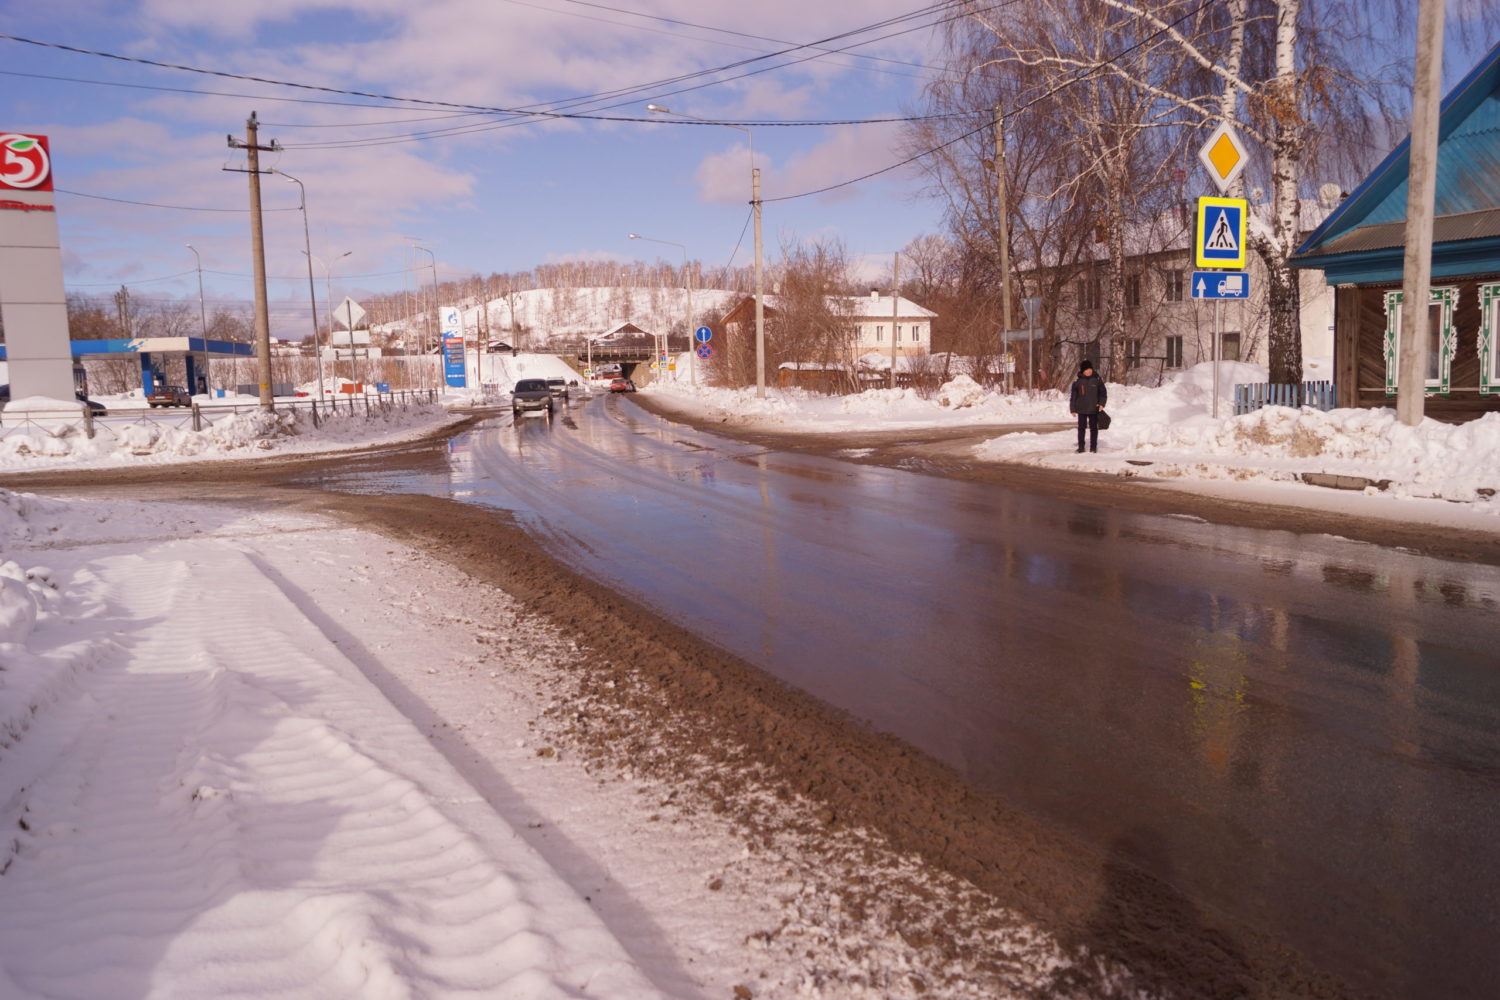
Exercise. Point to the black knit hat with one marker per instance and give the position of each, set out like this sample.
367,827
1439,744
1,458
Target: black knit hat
1085,365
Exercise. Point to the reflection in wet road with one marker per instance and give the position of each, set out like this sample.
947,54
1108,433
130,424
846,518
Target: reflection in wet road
1307,728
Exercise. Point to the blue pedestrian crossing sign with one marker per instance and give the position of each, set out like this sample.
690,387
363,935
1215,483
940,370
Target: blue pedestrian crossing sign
1219,239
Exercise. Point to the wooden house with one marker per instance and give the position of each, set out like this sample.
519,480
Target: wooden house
1361,246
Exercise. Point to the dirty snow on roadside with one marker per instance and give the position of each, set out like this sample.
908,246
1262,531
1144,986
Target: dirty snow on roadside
138,436
257,754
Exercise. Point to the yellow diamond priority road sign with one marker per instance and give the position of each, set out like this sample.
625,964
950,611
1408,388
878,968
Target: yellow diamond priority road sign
1224,157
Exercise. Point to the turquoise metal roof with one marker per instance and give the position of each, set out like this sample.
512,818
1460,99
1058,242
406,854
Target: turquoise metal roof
1468,166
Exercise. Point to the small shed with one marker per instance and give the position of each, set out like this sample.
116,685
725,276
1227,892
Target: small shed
1361,246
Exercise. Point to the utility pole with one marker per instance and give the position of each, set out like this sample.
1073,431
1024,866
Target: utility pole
760,309
895,310
1421,196
253,150
1004,217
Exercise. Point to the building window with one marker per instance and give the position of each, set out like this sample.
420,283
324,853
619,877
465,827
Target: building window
1133,291
879,334
1441,340
916,331
1088,293
1229,346
1174,280
1489,340
1132,354
1174,350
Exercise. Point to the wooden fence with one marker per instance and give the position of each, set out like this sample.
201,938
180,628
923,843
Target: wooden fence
1251,396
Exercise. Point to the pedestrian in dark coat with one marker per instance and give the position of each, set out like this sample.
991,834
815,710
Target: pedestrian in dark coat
1087,399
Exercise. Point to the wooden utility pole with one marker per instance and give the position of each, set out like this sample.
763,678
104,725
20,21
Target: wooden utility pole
1421,197
253,150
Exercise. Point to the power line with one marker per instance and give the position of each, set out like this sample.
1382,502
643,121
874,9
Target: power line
640,89
152,204
1083,74
710,41
525,113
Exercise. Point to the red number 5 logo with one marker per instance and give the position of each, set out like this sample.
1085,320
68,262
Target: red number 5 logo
24,163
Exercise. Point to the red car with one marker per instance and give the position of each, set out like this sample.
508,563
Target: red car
621,385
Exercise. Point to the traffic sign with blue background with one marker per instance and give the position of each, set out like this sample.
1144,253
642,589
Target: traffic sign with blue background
1221,285
704,334
1219,239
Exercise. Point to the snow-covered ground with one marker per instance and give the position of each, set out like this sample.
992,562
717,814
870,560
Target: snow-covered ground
262,754
1434,472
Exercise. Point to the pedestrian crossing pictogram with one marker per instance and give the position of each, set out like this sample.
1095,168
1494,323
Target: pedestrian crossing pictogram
1220,235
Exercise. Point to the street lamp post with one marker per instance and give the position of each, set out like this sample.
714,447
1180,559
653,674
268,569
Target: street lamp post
432,263
687,283
202,315
328,288
760,316
312,294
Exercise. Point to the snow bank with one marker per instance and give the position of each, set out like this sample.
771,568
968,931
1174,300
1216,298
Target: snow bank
169,437
959,402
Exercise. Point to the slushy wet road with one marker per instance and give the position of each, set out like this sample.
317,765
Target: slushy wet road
1299,732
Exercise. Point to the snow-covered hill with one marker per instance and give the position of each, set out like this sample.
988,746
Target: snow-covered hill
541,315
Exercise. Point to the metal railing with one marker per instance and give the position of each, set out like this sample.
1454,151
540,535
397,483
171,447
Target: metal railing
1252,396
64,423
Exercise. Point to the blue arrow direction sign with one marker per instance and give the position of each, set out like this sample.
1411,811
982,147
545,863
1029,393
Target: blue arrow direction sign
704,334
1221,285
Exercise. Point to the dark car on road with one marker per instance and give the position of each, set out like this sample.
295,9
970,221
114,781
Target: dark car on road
621,385
169,395
531,394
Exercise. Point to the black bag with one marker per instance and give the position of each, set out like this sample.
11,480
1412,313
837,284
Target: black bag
1103,421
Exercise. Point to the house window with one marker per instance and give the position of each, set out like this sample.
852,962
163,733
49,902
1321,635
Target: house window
1229,346
916,331
1089,293
1132,354
879,334
1441,340
1174,283
1174,350
1489,340
1133,291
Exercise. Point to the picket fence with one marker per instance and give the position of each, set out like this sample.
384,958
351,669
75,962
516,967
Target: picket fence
1251,396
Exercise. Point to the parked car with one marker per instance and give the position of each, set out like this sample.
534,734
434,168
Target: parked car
558,388
621,385
170,395
531,394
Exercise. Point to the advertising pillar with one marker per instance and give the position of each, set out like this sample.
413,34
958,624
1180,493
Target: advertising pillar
32,305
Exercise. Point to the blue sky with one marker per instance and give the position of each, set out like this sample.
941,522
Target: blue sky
484,199
493,199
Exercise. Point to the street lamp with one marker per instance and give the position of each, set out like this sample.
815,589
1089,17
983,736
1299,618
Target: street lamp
312,295
760,316
432,263
202,315
687,283
328,287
